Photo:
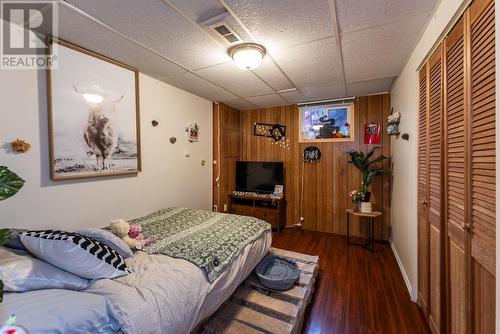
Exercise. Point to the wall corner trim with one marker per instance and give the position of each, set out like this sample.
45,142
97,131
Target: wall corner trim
412,292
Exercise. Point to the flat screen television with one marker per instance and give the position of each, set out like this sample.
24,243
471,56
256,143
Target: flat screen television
258,177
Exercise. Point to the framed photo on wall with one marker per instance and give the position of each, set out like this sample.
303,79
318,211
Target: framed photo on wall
93,108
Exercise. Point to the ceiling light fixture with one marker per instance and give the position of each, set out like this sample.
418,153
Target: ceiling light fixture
247,56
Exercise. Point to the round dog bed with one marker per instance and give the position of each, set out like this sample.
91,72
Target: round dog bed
277,272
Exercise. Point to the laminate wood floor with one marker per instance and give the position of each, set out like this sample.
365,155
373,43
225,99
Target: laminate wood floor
357,291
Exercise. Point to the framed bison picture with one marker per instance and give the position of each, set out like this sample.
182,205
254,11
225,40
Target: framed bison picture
93,107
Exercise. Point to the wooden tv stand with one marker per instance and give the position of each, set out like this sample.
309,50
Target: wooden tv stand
271,210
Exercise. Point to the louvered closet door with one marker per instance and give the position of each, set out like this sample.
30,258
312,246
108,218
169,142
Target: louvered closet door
455,175
435,189
482,218
423,197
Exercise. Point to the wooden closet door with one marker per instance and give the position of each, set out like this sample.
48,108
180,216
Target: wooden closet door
455,178
482,194
435,189
423,195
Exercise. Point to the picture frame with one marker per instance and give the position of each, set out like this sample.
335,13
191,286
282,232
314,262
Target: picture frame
93,115
193,131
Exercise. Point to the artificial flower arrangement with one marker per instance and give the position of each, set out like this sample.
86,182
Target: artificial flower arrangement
356,196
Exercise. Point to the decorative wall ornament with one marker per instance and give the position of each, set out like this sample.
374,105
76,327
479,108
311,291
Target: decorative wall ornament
276,133
154,123
20,146
192,132
393,123
173,140
93,115
372,133
312,154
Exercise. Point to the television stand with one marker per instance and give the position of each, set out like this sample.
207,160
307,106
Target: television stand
269,208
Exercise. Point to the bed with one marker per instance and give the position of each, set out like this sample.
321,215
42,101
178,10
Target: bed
163,294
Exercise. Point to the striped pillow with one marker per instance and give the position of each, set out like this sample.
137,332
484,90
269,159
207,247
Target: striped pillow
75,253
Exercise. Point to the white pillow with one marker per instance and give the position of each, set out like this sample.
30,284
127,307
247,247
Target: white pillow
20,272
75,253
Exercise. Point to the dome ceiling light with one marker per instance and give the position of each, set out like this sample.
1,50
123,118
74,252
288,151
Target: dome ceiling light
247,56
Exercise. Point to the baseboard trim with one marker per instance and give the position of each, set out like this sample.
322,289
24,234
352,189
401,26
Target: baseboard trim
412,292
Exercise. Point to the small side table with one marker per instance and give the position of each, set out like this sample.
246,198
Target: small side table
370,245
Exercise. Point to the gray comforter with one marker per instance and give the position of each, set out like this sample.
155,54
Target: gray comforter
162,295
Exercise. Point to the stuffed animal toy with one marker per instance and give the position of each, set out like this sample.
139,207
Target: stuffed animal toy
121,228
135,233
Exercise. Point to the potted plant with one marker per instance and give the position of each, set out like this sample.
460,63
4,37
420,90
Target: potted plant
367,169
10,184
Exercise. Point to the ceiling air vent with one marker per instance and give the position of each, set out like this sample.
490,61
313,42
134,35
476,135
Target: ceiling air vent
225,32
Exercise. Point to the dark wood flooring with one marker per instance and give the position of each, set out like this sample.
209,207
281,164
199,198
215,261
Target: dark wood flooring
357,291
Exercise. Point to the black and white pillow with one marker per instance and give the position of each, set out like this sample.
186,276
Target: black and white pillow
75,253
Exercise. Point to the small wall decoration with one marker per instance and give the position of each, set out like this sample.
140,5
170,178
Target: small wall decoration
173,140
93,115
154,123
393,123
193,132
312,154
276,133
20,146
372,133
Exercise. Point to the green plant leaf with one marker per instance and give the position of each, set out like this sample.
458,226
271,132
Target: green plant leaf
10,183
4,235
378,159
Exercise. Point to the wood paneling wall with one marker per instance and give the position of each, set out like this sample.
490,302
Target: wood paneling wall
227,146
325,184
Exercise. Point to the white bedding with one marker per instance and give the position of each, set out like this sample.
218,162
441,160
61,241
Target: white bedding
163,295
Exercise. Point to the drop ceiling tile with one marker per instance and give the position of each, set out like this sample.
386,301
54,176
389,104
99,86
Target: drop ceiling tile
270,73
267,100
315,64
380,52
293,97
240,104
158,26
84,32
198,86
362,88
361,14
229,76
312,93
278,24
199,10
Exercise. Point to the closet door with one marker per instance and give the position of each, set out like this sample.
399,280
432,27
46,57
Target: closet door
482,194
435,189
455,178
423,196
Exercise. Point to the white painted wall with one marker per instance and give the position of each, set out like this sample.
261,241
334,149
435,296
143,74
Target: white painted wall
404,98
168,178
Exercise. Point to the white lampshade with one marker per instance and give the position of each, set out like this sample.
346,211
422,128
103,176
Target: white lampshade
247,56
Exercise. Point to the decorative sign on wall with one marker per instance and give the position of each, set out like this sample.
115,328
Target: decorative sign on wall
312,154
372,133
276,133
273,131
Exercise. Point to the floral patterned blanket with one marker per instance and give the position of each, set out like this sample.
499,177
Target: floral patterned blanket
209,240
